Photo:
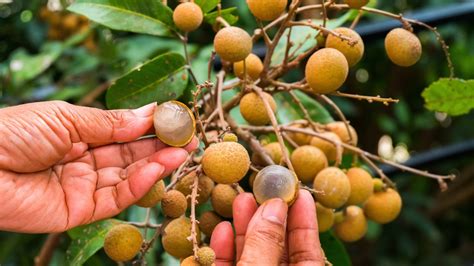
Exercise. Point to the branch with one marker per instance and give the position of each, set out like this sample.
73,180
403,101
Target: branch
46,252
369,99
194,221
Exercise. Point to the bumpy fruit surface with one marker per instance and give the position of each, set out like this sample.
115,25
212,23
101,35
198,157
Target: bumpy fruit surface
253,109
222,198
273,150
208,221
233,44
275,181
308,161
300,138
206,256
123,242
205,185
356,3
153,196
383,207
267,10
253,67
174,123
339,128
403,47
325,217
326,70
190,261
174,204
354,225
334,185
175,238
329,149
362,185
226,162
353,53
187,16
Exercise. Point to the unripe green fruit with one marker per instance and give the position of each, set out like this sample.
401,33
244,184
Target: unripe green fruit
253,108
356,4
253,67
267,10
329,149
326,70
403,47
362,185
353,226
122,242
334,187
353,53
226,162
206,256
307,162
230,137
153,196
378,184
275,181
325,217
208,221
174,123
383,207
233,44
175,238
273,150
222,198
187,16
173,204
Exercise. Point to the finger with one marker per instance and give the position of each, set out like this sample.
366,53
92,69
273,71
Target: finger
265,238
222,242
304,247
244,207
77,150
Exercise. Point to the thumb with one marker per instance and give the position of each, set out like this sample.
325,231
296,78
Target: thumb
265,237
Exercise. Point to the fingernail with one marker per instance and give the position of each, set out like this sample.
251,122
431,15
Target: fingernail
275,210
145,111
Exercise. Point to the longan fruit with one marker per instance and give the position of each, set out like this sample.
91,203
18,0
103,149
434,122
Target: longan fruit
122,242
273,149
403,47
174,123
206,256
334,186
378,184
325,217
267,10
353,53
233,44
339,128
362,185
353,226
384,206
187,16
205,185
226,162
175,238
253,108
356,4
153,196
329,149
326,70
174,204
275,181
222,197
208,221
307,162
300,138
190,261
253,67
70,22
230,137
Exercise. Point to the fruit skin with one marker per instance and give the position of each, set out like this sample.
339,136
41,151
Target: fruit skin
226,162
325,217
205,185
190,261
274,151
253,66
174,123
403,47
206,256
253,109
123,242
222,198
267,10
153,196
383,207
300,138
275,181
362,185
233,44
208,221
187,16
335,187
174,204
339,128
175,238
230,137
354,225
353,53
326,70
329,149
378,184
308,161
356,4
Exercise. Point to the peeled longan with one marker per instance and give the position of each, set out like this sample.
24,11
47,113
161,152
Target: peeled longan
329,149
253,108
353,226
356,4
384,206
226,162
174,123
187,16
267,10
403,47
340,129
307,162
173,204
273,149
275,181
208,221
175,238
233,44
362,185
326,70
123,242
353,53
153,196
334,187
222,198
325,217
253,67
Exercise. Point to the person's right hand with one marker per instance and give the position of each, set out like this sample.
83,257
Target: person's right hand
269,235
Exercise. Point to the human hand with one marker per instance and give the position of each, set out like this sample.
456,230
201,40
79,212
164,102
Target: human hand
61,165
269,235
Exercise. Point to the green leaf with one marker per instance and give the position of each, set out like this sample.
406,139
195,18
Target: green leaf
451,96
227,14
149,17
87,240
207,5
334,250
288,111
161,79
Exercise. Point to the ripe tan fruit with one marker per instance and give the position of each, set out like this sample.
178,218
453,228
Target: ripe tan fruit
175,238
190,261
253,109
383,207
122,242
334,185
208,221
187,16
378,184
362,185
273,149
353,53
70,22
153,196
325,217
205,187
267,10
356,4
403,47
233,44
353,226
329,149
308,161
222,198
300,138
253,67
174,204
275,181
340,129
226,162
326,70
206,256
174,123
